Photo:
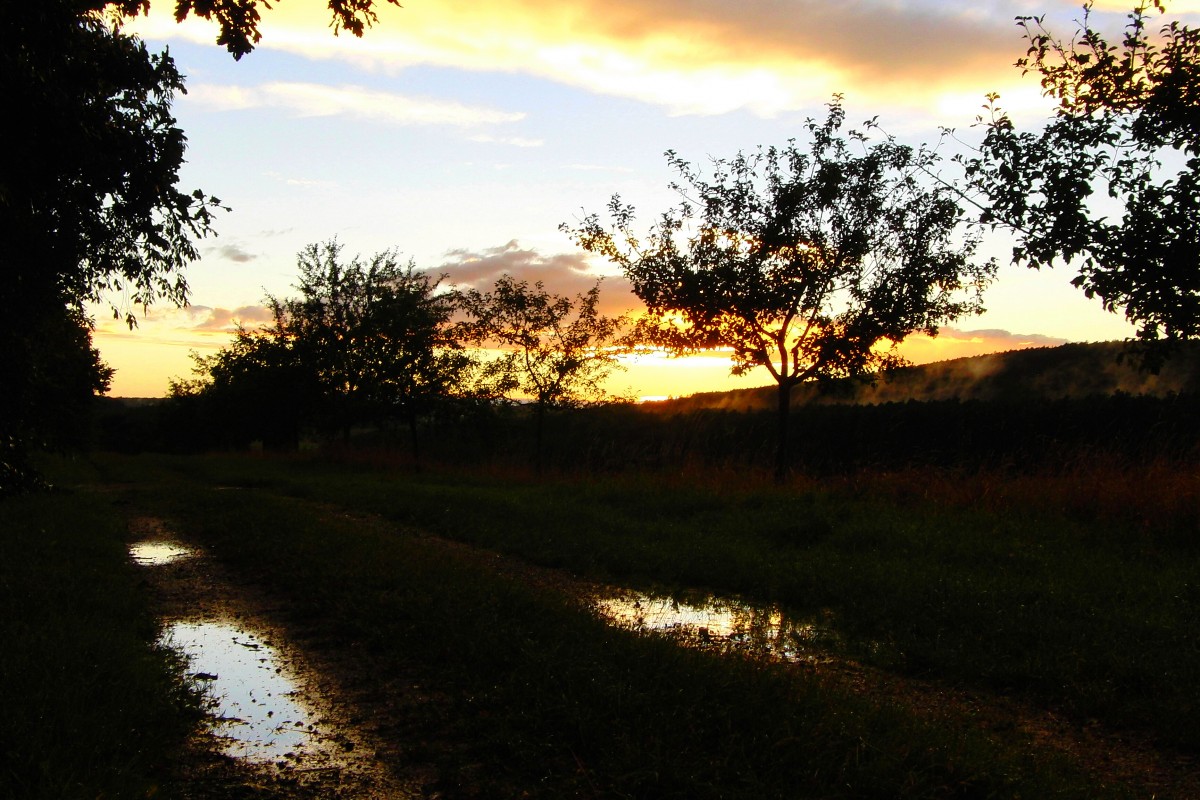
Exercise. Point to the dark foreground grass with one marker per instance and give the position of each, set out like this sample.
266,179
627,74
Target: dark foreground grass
1094,617
540,699
89,707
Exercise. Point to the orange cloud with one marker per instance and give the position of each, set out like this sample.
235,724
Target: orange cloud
955,343
227,320
693,56
565,273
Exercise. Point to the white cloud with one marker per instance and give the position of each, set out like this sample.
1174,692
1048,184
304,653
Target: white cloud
598,168
515,141
316,100
690,56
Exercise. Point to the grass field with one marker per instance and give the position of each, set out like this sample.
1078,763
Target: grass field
91,708
1090,616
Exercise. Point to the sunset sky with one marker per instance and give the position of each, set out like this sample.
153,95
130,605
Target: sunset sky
463,133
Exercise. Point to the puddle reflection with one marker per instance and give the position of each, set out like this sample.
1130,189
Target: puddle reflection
723,623
155,553
255,700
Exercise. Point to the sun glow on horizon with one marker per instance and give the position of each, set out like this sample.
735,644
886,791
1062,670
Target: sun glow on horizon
452,126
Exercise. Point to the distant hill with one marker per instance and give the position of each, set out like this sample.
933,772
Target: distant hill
1044,373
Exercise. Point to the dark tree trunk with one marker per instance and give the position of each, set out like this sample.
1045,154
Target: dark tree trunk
539,419
783,414
416,451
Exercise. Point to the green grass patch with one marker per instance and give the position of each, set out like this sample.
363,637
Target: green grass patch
91,707
1090,617
543,699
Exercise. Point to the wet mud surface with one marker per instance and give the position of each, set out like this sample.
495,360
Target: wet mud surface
1116,758
280,724
363,732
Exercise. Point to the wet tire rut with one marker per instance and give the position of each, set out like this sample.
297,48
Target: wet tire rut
366,708
281,724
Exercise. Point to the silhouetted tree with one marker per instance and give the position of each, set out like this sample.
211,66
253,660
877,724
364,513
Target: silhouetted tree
1127,128
51,374
558,351
238,19
367,341
253,389
811,264
375,334
89,204
89,207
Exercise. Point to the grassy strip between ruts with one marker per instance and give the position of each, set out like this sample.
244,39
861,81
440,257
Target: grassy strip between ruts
90,707
542,699
1094,618
1097,619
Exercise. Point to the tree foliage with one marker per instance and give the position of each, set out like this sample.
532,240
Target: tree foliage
374,333
51,374
92,159
89,205
367,341
557,351
90,208
239,19
1126,136
813,264
255,388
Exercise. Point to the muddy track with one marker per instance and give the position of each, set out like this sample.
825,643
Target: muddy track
1116,758
372,709
341,755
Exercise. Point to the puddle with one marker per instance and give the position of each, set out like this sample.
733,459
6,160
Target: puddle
267,708
259,710
154,553
723,624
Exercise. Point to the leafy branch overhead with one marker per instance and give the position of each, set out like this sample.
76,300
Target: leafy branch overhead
1112,182
239,19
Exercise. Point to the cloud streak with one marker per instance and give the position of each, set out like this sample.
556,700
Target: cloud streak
514,141
316,100
206,318
233,252
564,273
957,343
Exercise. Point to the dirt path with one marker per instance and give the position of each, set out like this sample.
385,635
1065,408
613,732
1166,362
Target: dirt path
1116,758
371,708
335,753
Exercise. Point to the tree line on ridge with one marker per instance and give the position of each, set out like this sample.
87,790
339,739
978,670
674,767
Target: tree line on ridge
812,260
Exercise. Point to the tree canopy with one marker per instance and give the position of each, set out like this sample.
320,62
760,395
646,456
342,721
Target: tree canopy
367,341
90,207
89,204
557,351
90,190
239,19
1112,182
253,389
811,263
375,334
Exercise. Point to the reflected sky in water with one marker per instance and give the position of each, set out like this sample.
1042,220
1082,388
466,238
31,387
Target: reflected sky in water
722,622
260,715
154,553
